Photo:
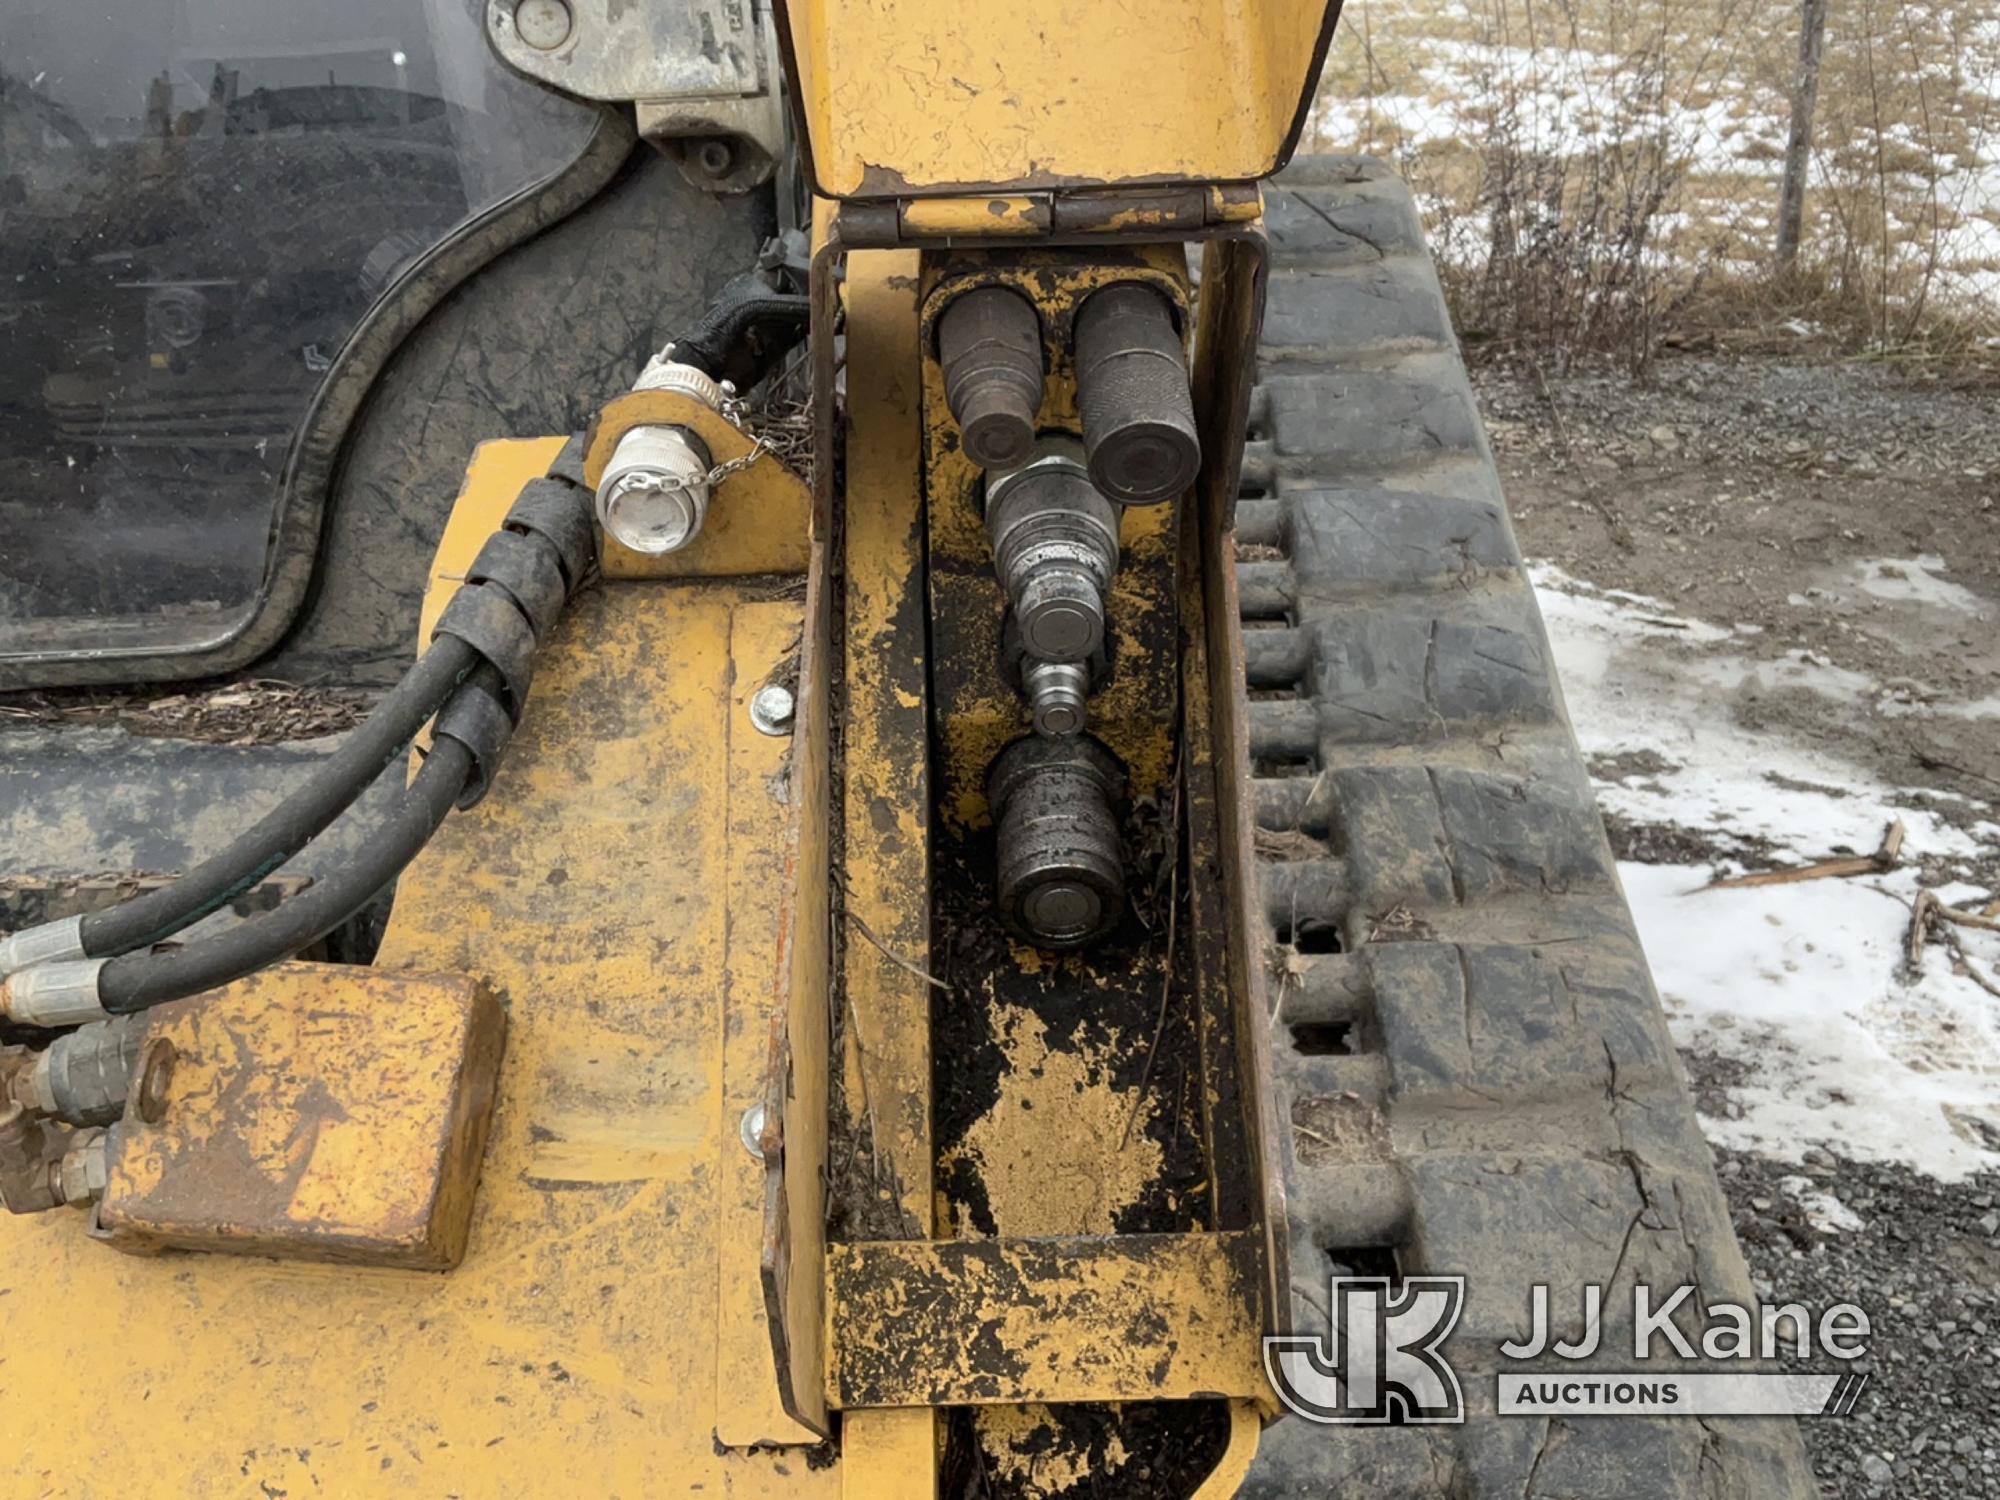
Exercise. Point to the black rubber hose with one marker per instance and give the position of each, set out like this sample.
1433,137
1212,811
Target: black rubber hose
378,743
746,331
139,980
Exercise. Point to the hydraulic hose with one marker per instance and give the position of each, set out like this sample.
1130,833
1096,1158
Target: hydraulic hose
474,678
381,740
138,981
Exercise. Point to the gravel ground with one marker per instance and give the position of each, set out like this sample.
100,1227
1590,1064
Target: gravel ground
1758,493
1925,1265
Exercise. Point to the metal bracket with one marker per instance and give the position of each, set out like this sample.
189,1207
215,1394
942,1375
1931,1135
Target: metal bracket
704,74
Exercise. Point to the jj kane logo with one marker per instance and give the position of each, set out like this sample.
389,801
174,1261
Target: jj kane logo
1380,1361
1382,1357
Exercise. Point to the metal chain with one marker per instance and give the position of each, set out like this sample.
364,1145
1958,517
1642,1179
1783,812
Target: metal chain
759,446
658,479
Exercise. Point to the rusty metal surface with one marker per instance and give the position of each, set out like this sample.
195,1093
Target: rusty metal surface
1132,1318
314,1111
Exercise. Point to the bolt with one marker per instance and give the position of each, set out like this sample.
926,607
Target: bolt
714,157
751,1129
543,24
85,1169
773,708
156,1071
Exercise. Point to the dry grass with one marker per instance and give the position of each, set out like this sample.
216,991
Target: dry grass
1600,175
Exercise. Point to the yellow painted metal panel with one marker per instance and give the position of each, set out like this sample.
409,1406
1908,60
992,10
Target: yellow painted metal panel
909,97
1246,1430
748,1407
886,744
574,1351
890,1454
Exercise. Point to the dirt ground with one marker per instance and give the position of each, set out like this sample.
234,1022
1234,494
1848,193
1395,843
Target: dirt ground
1780,495
1820,504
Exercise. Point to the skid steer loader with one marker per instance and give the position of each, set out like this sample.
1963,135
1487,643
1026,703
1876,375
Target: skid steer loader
981,830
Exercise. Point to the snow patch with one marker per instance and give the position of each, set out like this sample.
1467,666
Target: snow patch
1915,580
1802,984
1823,1211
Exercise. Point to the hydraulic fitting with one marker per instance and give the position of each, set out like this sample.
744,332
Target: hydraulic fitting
1132,393
1055,547
1061,876
990,344
1056,691
51,942
83,1077
654,494
61,993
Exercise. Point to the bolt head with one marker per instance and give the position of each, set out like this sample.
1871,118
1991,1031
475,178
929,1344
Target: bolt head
714,157
751,1130
543,24
773,709
156,1073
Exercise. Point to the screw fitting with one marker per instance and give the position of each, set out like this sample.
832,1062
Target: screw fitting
1057,691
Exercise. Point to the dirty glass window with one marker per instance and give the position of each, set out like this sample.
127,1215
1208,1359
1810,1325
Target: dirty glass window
199,201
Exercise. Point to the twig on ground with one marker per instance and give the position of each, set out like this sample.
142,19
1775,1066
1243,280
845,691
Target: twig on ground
1926,915
1879,863
1970,970
1920,926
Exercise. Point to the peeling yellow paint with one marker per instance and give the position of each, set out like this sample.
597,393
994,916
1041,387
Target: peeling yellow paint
1019,1443
1049,1150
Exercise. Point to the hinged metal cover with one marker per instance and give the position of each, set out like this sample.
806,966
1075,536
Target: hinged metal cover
910,98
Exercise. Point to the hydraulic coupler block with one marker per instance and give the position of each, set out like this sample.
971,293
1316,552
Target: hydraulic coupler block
1062,882
1055,547
990,345
1132,392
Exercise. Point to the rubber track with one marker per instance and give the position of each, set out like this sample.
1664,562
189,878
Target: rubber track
1474,1073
